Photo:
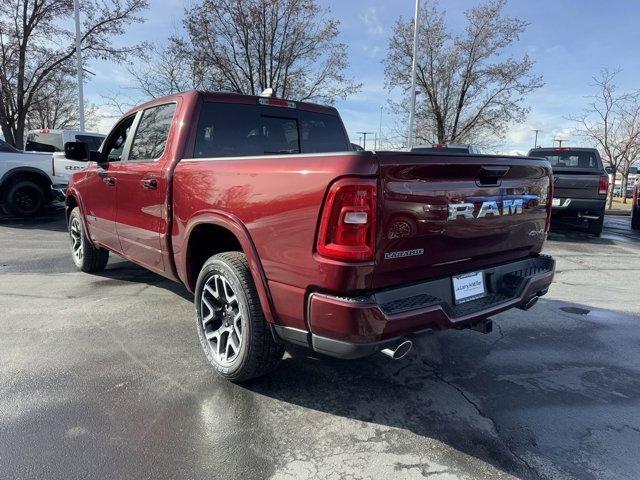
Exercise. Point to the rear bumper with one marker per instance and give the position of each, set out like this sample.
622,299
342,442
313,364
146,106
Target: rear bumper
352,327
573,206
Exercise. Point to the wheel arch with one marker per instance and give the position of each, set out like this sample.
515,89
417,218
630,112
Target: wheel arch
29,173
231,235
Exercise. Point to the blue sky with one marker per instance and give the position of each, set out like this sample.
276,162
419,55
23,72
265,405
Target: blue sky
570,41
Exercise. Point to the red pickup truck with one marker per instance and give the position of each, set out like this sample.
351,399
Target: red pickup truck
261,208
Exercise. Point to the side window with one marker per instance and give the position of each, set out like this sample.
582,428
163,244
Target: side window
91,140
114,144
151,136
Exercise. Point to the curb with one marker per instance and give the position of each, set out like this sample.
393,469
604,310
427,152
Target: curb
618,213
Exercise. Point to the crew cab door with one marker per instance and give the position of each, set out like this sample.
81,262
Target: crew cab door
141,217
98,185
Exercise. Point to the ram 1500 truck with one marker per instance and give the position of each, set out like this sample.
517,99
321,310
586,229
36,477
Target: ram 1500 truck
260,207
580,187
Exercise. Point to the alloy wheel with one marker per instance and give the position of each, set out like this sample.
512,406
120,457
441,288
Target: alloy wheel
221,319
75,232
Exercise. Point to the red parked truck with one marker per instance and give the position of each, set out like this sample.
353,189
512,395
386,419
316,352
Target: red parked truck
260,207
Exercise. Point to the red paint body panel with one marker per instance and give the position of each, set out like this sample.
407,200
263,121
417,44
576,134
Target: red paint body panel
272,205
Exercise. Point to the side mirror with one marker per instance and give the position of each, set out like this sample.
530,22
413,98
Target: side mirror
79,151
610,170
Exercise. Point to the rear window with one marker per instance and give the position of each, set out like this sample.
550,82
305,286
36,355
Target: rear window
234,130
569,159
93,141
440,150
44,142
5,147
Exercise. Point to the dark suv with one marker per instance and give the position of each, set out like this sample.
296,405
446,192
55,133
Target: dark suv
580,186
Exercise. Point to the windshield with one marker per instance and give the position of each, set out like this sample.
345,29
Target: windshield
569,159
44,142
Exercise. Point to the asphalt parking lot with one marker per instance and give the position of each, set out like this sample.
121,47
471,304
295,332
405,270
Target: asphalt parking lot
102,376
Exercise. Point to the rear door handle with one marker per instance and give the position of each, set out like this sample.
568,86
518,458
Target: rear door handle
150,183
111,181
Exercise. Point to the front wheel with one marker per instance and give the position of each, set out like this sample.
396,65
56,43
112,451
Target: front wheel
24,198
635,217
86,257
233,332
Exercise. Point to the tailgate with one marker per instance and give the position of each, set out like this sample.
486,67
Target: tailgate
446,214
583,185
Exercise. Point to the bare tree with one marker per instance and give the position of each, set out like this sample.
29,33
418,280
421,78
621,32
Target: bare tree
35,46
163,71
246,46
611,121
469,91
55,105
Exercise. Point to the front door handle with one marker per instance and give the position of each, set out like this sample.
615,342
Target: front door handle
150,183
111,181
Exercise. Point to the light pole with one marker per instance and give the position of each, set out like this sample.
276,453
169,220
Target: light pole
380,130
76,8
559,140
364,138
412,112
535,143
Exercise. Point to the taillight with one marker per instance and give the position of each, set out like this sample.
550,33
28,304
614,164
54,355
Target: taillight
348,223
547,225
603,186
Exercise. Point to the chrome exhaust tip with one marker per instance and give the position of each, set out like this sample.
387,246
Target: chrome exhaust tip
399,351
530,303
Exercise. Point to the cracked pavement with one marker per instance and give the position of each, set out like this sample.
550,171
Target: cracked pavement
102,376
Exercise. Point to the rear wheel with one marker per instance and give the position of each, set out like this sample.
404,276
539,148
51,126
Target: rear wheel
635,217
231,326
24,198
86,257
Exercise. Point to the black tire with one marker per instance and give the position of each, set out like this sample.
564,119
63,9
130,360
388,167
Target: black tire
86,257
257,352
595,226
24,198
635,217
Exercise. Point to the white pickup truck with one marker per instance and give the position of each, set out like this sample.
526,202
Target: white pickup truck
50,140
53,140
25,180
29,179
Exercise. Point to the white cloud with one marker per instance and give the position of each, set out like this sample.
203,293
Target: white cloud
371,51
371,21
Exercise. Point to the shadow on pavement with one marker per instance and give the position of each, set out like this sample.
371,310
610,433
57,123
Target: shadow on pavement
502,398
52,218
122,271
